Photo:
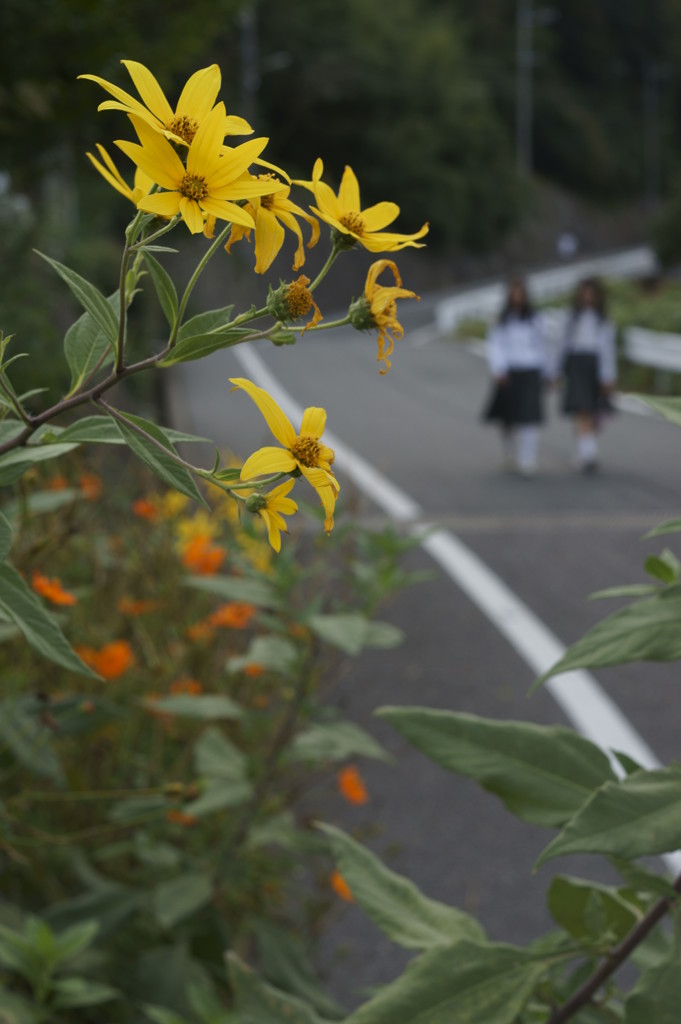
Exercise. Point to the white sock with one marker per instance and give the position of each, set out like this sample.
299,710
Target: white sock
528,443
587,448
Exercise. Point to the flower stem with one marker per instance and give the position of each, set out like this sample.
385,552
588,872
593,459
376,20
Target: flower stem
326,268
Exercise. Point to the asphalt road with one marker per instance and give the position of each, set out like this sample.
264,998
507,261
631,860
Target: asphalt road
553,539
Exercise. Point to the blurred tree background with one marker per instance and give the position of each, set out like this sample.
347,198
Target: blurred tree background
422,93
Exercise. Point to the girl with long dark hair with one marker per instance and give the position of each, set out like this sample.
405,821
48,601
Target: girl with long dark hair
516,356
589,368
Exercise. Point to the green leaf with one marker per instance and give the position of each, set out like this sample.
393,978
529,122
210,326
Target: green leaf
235,588
27,739
657,995
75,939
181,896
670,526
41,502
71,992
158,456
206,706
286,966
5,537
352,632
110,906
161,1016
336,741
214,755
465,983
103,430
163,283
90,298
542,773
85,344
276,653
641,815
646,630
626,590
394,903
204,323
23,608
256,1002
16,953
200,345
219,794
590,912
15,1010
13,464
660,569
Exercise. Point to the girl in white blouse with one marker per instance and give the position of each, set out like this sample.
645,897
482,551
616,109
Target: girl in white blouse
517,360
589,368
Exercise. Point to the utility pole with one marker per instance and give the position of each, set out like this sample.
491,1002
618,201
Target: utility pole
523,93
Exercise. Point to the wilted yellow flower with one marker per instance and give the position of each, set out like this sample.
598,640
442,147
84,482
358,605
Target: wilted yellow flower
292,301
195,103
344,213
209,183
303,451
110,173
272,213
379,308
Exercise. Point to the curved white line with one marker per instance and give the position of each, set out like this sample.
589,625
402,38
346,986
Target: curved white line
592,712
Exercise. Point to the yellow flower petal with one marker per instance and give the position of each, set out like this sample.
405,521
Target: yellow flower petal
191,215
276,418
380,215
203,157
235,161
267,461
273,530
163,204
237,126
314,421
150,91
199,94
269,238
125,102
110,172
227,211
348,193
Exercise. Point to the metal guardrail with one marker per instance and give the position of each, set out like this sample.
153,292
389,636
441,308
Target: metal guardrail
485,301
653,348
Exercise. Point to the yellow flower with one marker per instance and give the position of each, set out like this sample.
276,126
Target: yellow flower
382,308
344,213
208,182
292,301
201,524
272,508
110,173
195,103
301,453
272,214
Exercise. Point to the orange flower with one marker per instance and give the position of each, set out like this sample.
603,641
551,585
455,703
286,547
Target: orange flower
202,556
178,817
57,483
351,786
145,508
234,615
201,630
341,887
186,685
52,590
111,660
254,670
127,606
91,486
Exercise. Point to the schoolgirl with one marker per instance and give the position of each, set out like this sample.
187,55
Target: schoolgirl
588,366
516,356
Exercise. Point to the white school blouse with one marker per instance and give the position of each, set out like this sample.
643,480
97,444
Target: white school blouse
588,332
516,344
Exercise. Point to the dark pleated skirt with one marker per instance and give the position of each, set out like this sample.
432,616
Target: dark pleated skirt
518,401
582,389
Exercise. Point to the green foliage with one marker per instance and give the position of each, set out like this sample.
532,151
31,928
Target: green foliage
543,774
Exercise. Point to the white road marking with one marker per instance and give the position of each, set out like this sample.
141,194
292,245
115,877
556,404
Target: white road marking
592,712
